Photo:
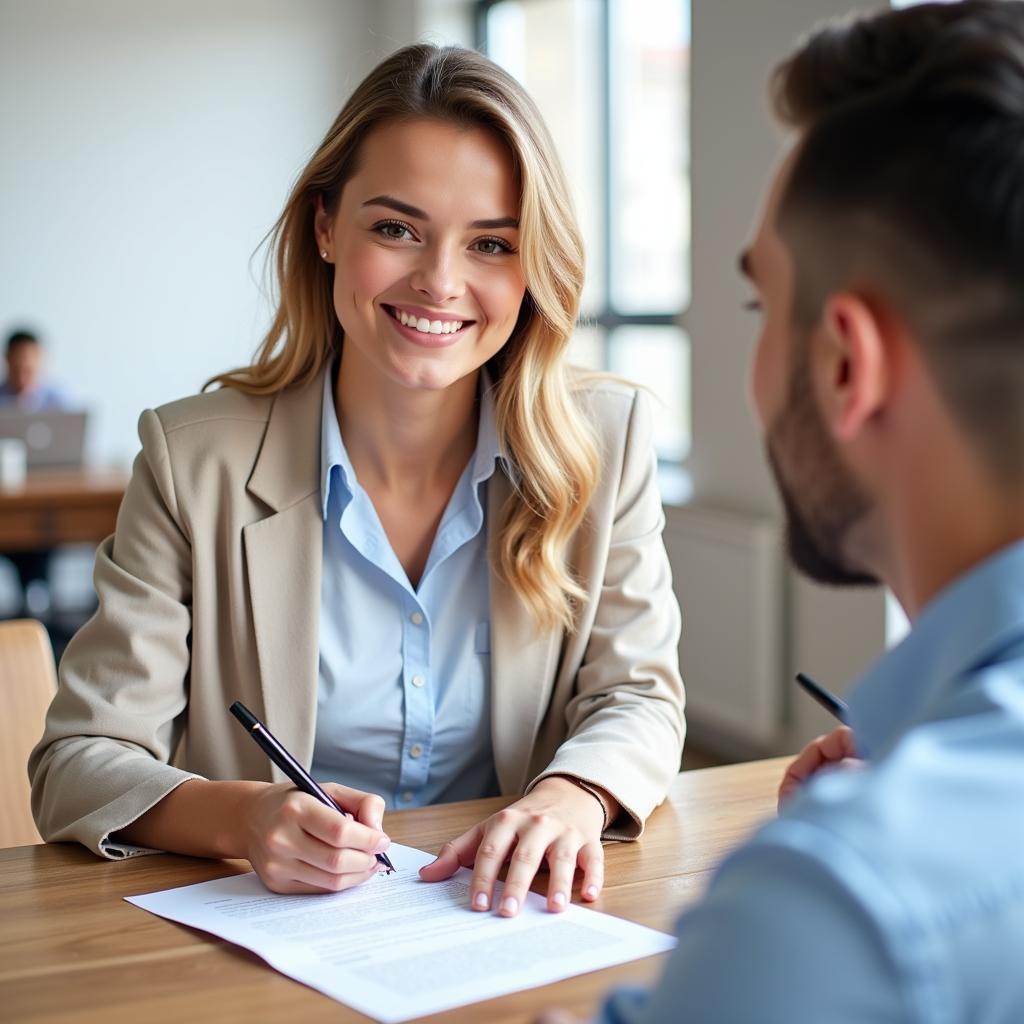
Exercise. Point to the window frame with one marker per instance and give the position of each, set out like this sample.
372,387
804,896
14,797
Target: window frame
607,317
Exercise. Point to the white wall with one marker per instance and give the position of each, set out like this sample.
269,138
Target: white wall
443,22
147,149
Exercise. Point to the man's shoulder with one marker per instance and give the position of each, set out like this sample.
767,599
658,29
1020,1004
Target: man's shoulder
56,397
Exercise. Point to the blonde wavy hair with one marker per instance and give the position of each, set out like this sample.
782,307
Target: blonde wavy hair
542,427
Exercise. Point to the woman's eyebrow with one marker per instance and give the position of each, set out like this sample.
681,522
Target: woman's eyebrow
414,211
496,222
398,206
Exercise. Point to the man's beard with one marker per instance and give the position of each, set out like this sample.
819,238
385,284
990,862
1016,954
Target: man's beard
821,498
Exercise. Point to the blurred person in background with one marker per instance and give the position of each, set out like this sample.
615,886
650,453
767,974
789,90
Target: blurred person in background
26,389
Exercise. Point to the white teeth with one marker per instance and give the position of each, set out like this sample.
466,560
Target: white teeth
425,326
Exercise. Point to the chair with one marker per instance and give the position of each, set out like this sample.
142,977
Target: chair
28,681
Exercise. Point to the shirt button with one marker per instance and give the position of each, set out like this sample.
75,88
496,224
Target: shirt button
418,680
407,797
416,619
416,750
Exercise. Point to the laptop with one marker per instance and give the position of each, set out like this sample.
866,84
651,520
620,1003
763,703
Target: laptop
53,440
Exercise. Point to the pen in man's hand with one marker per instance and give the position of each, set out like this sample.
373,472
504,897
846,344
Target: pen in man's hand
302,780
829,701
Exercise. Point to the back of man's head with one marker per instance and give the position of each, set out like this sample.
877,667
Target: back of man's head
908,184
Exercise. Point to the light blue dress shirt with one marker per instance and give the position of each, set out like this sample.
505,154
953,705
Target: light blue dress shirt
896,892
47,397
403,703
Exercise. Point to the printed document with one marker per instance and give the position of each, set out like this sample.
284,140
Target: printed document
397,947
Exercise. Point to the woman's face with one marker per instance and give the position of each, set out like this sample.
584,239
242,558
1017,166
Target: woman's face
428,282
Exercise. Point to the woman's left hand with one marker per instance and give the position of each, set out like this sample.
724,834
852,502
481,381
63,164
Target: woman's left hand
558,821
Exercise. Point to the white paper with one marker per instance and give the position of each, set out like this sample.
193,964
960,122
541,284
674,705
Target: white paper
397,947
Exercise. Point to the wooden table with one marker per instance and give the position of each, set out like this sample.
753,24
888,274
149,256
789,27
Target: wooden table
70,947
54,507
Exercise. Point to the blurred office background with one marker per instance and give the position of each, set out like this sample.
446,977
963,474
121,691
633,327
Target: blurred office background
148,148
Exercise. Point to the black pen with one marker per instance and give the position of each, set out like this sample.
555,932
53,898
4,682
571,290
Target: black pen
271,746
829,701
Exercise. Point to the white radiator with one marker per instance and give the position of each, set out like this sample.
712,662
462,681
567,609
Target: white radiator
728,574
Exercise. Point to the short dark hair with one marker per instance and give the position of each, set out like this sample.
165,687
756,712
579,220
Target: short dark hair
21,336
908,183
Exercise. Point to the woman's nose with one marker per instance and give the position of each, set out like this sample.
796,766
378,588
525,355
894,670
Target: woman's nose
438,275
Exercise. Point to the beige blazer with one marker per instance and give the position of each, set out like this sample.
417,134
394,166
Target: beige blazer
209,593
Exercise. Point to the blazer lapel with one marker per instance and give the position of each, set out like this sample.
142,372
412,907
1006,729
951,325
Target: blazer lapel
523,660
283,556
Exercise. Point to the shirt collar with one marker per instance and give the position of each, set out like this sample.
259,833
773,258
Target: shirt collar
968,624
334,455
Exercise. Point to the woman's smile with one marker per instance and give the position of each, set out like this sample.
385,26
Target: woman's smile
426,327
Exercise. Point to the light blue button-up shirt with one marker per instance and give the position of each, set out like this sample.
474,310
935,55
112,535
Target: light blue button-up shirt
896,892
47,397
403,703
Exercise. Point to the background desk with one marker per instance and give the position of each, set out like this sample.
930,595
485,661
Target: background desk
60,507
70,947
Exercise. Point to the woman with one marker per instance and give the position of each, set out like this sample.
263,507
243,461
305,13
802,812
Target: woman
428,560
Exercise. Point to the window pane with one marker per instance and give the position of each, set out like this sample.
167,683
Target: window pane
553,47
658,358
650,162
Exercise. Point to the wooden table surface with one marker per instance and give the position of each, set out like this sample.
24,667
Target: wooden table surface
54,507
70,947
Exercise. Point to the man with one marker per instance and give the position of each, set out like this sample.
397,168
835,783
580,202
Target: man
25,389
889,381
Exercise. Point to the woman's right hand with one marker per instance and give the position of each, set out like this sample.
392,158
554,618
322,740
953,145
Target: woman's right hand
298,845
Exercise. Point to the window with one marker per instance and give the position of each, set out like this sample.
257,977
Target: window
611,79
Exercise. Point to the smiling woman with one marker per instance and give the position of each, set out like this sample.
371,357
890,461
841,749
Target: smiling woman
424,548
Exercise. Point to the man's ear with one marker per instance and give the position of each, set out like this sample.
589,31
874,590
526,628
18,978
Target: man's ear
854,363
323,227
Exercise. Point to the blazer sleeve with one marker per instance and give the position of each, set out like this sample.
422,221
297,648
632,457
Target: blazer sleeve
625,721
118,714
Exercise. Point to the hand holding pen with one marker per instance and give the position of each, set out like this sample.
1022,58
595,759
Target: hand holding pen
832,748
302,838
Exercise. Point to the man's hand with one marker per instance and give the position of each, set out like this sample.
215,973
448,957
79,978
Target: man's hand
834,748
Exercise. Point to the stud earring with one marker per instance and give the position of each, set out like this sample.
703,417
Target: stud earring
323,253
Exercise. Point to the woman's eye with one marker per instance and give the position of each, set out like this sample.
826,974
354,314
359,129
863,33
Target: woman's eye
493,246
393,229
